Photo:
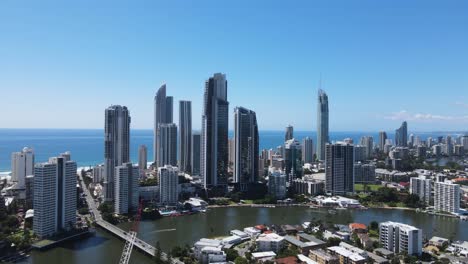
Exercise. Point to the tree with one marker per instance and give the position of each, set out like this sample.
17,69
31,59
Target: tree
374,225
231,254
333,242
241,260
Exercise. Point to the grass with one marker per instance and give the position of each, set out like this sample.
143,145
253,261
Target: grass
372,187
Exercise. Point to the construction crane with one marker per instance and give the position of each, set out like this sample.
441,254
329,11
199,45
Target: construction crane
127,251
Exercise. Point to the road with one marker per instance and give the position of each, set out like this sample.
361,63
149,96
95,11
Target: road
142,245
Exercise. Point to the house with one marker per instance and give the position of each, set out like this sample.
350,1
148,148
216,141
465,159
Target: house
263,256
270,242
438,242
358,228
323,257
304,245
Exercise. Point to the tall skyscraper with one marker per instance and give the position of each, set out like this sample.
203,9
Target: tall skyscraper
142,157
464,142
339,169
307,150
167,143
382,139
168,182
22,165
322,124
401,135
289,134
54,196
163,108
293,159
246,147
116,145
126,188
185,136
196,137
277,184
214,141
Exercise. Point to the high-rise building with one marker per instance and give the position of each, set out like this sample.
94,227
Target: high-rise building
422,187
382,139
401,135
116,145
411,140
429,142
277,184
196,137
359,153
307,150
246,142
142,157
54,196
339,168
293,159
447,197
364,173
322,124
167,143
232,152
214,141
368,143
126,188
163,108
289,133
185,136
399,238
168,183
22,165
464,142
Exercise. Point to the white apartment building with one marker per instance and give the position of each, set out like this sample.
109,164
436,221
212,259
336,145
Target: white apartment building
398,237
168,182
422,187
126,190
54,196
22,165
447,197
277,184
270,242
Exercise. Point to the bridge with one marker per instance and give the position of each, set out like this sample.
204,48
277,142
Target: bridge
116,231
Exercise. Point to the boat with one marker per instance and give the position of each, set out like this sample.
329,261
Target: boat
331,211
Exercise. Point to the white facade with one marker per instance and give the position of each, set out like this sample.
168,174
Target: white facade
168,182
398,238
54,196
447,197
22,165
422,187
126,188
270,242
212,255
98,173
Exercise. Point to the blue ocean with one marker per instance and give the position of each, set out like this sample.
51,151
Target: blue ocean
87,145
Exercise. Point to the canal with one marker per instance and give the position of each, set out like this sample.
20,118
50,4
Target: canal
171,231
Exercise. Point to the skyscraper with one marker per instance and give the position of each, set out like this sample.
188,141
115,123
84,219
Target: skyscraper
401,135
126,188
54,196
322,124
185,136
398,238
368,143
167,143
22,165
196,154
307,150
447,197
142,157
162,115
421,187
339,169
293,159
116,145
168,182
246,147
214,141
382,139
289,134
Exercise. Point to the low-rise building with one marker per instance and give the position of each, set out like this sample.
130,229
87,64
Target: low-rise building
346,256
263,256
305,246
252,232
322,257
438,241
212,255
270,242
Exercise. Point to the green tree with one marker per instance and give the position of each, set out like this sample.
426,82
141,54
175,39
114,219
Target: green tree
333,241
241,260
374,225
231,254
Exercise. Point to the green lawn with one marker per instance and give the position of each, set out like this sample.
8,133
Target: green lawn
373,187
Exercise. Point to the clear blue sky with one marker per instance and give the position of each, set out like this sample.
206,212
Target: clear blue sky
63,63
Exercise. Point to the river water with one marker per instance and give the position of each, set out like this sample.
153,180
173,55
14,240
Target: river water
104,248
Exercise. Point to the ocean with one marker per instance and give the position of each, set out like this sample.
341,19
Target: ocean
87,145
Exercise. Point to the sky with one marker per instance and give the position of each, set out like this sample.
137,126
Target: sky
380,62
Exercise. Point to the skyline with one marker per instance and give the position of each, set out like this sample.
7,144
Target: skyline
411,56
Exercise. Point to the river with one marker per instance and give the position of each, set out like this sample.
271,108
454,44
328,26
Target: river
104,248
